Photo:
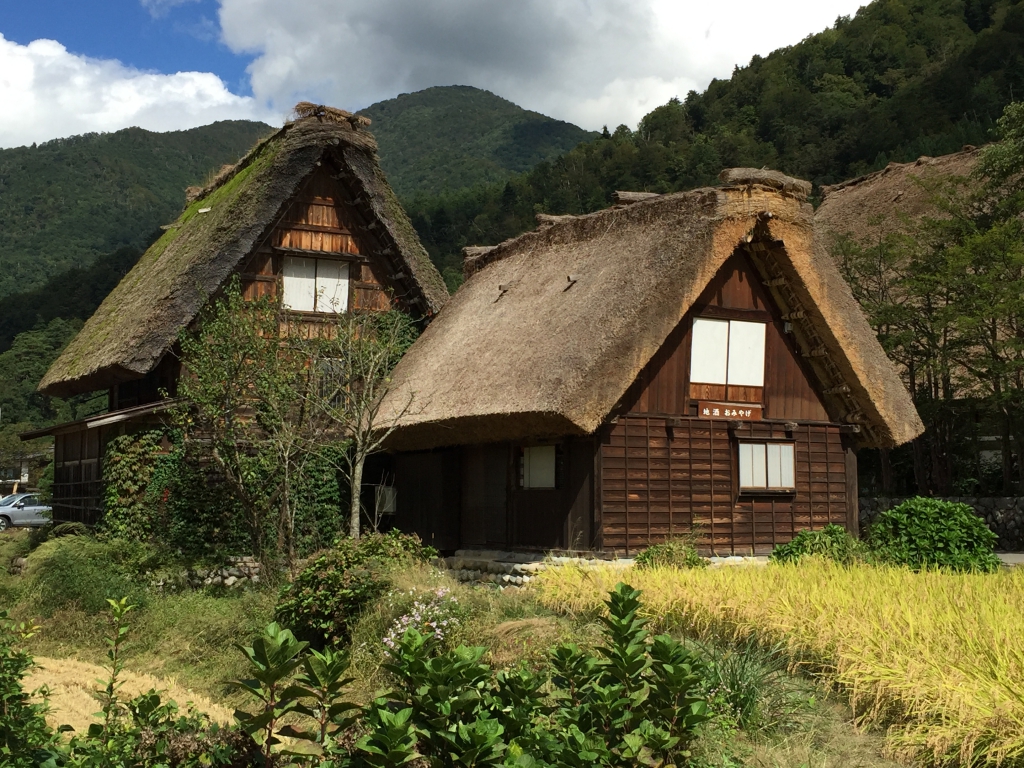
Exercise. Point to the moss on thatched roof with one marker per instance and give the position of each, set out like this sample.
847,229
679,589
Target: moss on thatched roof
142,317
521,351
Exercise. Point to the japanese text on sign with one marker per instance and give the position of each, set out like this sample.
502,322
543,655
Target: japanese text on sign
708,410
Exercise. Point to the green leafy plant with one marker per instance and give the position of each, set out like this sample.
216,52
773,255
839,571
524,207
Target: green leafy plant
929,533
831,542
676,553
25,738
273,658
324,600
638,701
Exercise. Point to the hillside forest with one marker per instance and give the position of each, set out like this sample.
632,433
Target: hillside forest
902,78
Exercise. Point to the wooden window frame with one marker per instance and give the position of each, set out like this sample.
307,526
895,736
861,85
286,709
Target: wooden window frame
317,256
521,467
748,491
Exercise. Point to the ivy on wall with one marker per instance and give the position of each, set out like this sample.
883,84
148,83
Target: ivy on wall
158,489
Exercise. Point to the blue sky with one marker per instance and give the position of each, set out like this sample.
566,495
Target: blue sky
166,39
75,66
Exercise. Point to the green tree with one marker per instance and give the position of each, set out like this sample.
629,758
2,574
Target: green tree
245,384
352,362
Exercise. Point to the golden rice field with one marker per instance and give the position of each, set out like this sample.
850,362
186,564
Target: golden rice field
937,659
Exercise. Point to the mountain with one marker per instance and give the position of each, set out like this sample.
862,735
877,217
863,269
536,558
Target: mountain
902,78
450,137
65,203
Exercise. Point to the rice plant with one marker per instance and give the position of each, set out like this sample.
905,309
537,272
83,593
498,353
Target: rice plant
937,658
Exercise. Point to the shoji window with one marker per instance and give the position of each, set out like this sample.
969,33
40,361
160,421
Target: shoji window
315,285
727,352
538,466
767,466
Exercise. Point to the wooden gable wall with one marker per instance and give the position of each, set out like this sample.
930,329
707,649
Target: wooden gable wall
663,387
663,472
319,222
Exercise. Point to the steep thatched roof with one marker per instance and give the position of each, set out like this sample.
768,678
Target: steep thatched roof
870,207
141,318
523,351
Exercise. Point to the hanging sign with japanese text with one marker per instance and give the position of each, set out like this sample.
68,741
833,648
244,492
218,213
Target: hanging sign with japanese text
708,410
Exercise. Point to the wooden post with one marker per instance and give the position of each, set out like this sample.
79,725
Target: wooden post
852,497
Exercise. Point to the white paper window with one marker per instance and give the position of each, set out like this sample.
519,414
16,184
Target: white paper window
746,353
709,351
539,466
727,352
331,286
767,466
315,285
299,284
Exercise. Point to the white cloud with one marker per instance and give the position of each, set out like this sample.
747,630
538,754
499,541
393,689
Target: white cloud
592,62
47,92
158,8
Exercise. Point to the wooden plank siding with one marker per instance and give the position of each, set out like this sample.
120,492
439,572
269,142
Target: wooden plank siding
663,386
665,472
660,480
319,223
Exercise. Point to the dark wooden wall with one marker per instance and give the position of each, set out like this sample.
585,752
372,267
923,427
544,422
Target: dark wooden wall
659,480
663,387
469,497
428,487
663,471
559,518
486,476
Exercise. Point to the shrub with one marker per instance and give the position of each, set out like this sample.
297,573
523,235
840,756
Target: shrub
831,542
325,599
928,533
84,571
678,553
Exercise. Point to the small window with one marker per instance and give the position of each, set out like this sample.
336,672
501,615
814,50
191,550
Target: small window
385,499
727,352
538,466
315,285
767,466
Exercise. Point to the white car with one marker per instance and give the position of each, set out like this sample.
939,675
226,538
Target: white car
23,509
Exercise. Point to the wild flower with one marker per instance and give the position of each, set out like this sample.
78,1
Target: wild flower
436,613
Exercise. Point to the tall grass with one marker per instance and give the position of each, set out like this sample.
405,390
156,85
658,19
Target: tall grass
937,658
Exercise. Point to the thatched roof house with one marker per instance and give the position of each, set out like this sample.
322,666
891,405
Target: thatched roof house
683,364
225,223
888,201
306,216
552,328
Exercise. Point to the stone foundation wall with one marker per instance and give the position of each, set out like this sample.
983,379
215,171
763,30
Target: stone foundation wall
1004,515
240,572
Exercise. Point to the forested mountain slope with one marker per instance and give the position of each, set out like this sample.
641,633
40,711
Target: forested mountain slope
902,78
450,137
67,202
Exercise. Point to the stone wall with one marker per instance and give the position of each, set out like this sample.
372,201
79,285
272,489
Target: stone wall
1003,515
